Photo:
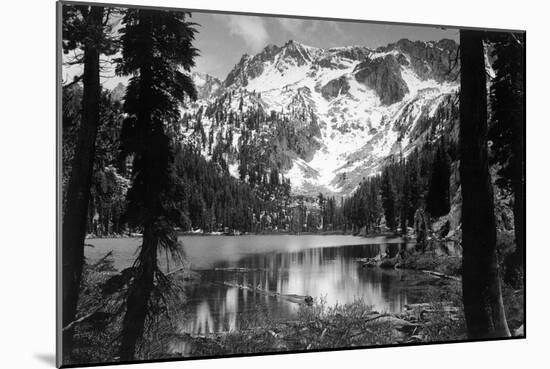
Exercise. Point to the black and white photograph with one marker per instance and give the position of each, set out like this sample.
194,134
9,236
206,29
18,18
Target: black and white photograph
235,184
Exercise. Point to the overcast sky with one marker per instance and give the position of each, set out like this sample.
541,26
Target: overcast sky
223,38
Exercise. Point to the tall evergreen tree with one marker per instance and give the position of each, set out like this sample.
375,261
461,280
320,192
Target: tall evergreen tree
322,209
388,200
438,199
414,186
404,203
156,44
85,28
507,133
482,298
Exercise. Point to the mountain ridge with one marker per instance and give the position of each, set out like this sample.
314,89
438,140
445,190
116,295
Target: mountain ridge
326,118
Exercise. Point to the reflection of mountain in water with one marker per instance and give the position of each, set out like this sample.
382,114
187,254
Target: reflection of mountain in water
331,273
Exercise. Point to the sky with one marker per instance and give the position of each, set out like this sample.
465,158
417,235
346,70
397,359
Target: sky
224,38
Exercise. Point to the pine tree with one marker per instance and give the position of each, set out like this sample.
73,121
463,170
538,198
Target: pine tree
404,204
414,186
438,200
388,200
507,132
322,208
85,28
156,44
482,296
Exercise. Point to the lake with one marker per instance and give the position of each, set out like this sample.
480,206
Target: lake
324,267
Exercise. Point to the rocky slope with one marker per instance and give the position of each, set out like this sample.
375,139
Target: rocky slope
325,118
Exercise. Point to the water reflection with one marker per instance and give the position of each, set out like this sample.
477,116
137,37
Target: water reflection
230,293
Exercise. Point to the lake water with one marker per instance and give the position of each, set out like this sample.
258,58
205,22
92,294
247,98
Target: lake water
309,265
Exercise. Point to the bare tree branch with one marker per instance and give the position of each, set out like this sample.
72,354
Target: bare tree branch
76,58
107,16
76,79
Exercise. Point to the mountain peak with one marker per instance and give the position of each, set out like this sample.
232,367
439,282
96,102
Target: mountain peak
292,53
297,53
326,117
271,48
206,85
292,42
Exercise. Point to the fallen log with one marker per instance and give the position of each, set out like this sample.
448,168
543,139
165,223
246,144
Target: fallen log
297,299
110,253
239,270
84,318
441,275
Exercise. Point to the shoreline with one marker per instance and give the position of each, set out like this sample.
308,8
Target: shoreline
271,233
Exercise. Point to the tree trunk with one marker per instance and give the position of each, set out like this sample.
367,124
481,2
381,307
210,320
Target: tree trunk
148,169
138,297
78,191
482,297
515,264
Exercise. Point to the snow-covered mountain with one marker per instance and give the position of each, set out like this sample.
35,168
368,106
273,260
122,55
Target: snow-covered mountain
207,86
326,118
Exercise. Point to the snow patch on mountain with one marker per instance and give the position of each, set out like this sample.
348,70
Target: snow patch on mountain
357,130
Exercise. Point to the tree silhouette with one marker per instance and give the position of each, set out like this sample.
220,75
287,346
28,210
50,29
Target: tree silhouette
483,307
156,44
85,28
388,200
438,201
507,133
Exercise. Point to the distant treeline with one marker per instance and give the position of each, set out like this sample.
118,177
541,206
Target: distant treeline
422,180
